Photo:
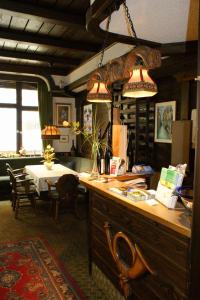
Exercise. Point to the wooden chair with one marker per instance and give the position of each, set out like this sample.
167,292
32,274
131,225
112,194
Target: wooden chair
15,171
23,190
19,173
63,193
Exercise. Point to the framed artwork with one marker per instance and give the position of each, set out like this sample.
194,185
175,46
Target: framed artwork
63,113
165,114
87,117
64,139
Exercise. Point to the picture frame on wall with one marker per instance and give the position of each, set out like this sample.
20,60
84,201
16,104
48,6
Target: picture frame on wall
165,114
63,113
87,117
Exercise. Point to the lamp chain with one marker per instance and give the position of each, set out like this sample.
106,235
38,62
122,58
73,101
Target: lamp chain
130,23
105,40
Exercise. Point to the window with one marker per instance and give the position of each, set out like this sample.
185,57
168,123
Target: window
8,129
7,95
19,118
29,97
31,134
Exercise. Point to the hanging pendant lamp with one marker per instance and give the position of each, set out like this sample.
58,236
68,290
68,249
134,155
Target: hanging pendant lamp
140,84
50,132
99,93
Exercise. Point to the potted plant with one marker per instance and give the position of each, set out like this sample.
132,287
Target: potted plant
49,156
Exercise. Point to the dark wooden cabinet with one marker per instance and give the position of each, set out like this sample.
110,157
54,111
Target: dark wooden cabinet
144,131
138,115
165,250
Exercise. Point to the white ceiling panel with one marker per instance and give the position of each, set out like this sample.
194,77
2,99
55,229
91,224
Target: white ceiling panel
164,21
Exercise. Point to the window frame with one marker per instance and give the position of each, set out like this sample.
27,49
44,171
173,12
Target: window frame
19,109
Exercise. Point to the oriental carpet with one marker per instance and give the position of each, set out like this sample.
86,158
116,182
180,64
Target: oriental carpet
30,270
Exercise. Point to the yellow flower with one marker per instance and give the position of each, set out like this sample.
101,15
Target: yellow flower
49,154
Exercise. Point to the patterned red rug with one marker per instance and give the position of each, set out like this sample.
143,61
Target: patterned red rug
30,270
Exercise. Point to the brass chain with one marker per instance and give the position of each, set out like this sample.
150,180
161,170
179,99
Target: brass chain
105,40
130,22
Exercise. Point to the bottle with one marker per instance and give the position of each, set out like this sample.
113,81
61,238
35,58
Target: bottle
100,156
108,152
130,152
73,149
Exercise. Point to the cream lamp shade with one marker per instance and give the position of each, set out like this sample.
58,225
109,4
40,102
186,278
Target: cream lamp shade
139,85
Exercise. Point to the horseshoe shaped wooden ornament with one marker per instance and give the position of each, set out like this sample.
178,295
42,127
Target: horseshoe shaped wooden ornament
138,266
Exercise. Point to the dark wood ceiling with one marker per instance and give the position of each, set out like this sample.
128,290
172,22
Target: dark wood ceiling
49,37
45,36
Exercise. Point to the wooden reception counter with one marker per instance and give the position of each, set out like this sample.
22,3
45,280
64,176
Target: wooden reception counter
125,234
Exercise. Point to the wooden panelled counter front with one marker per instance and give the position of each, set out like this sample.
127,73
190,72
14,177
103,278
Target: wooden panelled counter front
161,235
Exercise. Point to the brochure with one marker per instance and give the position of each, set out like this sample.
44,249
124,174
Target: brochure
170,179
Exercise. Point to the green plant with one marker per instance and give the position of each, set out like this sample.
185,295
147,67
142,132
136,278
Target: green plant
91,138
48,154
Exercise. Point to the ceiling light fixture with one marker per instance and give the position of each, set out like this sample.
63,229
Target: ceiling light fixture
140,83
131,69
50,132
98,91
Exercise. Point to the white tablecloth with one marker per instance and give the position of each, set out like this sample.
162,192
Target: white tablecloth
40,173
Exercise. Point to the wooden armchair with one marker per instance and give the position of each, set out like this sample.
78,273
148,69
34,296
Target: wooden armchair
23,190
15,171
63,193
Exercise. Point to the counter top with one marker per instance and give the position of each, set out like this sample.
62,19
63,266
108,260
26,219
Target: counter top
175,219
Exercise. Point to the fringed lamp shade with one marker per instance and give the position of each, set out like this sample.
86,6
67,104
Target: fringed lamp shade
50,132
140,84
99,93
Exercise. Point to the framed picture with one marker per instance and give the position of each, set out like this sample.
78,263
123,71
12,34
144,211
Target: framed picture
64,139
63,113
87,117
165,114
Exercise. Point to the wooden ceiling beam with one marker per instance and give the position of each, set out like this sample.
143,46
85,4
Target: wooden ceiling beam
178,64
42,40
100,10
171,49
28,69
39,57
41,13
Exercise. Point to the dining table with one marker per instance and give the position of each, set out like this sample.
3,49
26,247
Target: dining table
40,174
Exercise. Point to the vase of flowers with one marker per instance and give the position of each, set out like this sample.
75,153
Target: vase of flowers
93,139
49,156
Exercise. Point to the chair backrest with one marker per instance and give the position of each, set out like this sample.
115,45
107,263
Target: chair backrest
8,166
67,184
12,178
17,180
